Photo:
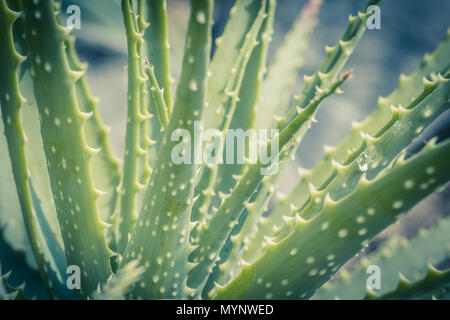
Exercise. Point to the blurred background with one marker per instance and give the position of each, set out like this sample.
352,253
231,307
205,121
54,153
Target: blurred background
409,29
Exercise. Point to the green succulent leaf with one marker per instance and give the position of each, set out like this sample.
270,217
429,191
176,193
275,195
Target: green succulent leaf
228,49
434,283
215,232
118,284
276,91
398,255
13,264
136,169
225,112
157,46
243,118
160,234
175,221
67,151
105,167
389,116
303,268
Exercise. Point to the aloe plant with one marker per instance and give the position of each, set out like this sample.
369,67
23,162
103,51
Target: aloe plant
155,228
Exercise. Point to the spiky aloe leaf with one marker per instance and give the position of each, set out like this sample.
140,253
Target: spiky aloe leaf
225,112
56,266
157,40
376,152
8,292
213,235
49,233
36,162
228,49
157,44
160,234
135,166
295,267
335,61
337,56
11,101
47,228
118,285
433,284
67,151
105,167
352,35
249,96
244,118
408,257
157,47
383,118
14,261
158,96
273,87
277,90
10,212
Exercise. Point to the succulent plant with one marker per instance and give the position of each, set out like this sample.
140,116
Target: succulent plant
149,227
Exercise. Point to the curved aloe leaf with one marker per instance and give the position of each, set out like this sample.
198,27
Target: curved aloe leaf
432,285
276,91
294,267
14,261
160,234
118,285
408,257
214,234
378,122
67,152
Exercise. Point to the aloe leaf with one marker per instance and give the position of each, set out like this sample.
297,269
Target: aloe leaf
49,233
249,95
228,49
434,282
295,267
46,222
67,151
53,251
105,167
225,113
135,166
408,257
14,261
11,102
8,292
160,233
213,235
10,211
376,152
156,38
244,116
275,94
335,61
157,46
383,118
276,91
158,96
118,285
337,56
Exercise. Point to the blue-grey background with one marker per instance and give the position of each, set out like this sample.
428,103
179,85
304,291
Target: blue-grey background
409,28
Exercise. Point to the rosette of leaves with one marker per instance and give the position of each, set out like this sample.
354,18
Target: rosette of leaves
153,229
